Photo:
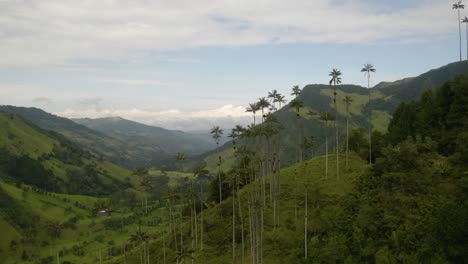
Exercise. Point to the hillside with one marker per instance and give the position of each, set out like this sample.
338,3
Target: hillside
48,161
318,98
408,207
130,145
140,136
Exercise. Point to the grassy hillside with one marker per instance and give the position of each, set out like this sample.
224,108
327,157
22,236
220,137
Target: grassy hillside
149,137
385,97
118,150
49,161
324,194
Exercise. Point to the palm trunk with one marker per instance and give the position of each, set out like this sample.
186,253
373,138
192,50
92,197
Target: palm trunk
164,248
466,26
337,145
370,120
459,33
326,151
219,173
201,218
347,138
305,224
241,222
233,224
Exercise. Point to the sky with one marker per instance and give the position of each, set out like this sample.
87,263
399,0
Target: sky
190,65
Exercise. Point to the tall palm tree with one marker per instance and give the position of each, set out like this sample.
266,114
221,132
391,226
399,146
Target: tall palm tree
347,100
335,75
326,117
465,20
457,6
148,186
200,172
273,96
280,99
296,91
368,69
216,133
141,237
262,104
253,108
297,105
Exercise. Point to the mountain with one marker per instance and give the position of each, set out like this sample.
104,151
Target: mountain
149,137
47,160
319,98
120,148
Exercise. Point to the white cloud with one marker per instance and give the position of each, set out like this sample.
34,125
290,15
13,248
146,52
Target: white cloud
226,116
59,31
133,82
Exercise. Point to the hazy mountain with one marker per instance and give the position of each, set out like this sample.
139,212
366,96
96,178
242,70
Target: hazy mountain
119,147
144,136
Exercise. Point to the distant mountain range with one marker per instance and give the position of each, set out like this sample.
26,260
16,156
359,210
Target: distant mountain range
123,142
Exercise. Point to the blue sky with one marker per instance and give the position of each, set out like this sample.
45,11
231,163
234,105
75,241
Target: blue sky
187,66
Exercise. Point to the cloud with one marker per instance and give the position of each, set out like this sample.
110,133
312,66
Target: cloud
89,103
133,82
36,32
43,100
226,116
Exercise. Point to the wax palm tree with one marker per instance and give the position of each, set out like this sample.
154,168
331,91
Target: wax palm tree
465,20
253,108
335,75
148,186
262,104
281,100
368,69
457,6
216,133
296,91
297,105
326,118
200,172
273,96
141,237
347,100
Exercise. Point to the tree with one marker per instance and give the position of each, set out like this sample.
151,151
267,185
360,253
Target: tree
216,133
262,104
297,105
368,69
296,91
348,100
326,117
141,237
465,20
148,186
457,6
335,75
253,108
273,96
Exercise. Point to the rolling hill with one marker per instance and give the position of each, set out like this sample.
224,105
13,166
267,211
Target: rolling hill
319,98
125,143
47,160
144,136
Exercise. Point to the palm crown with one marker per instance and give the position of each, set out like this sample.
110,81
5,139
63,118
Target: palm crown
368,68
465,20
458,5
335,74
296,90
216,133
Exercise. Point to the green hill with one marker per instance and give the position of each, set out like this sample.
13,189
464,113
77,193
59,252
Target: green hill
385,97
410,206
140,136
123,142
48,161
